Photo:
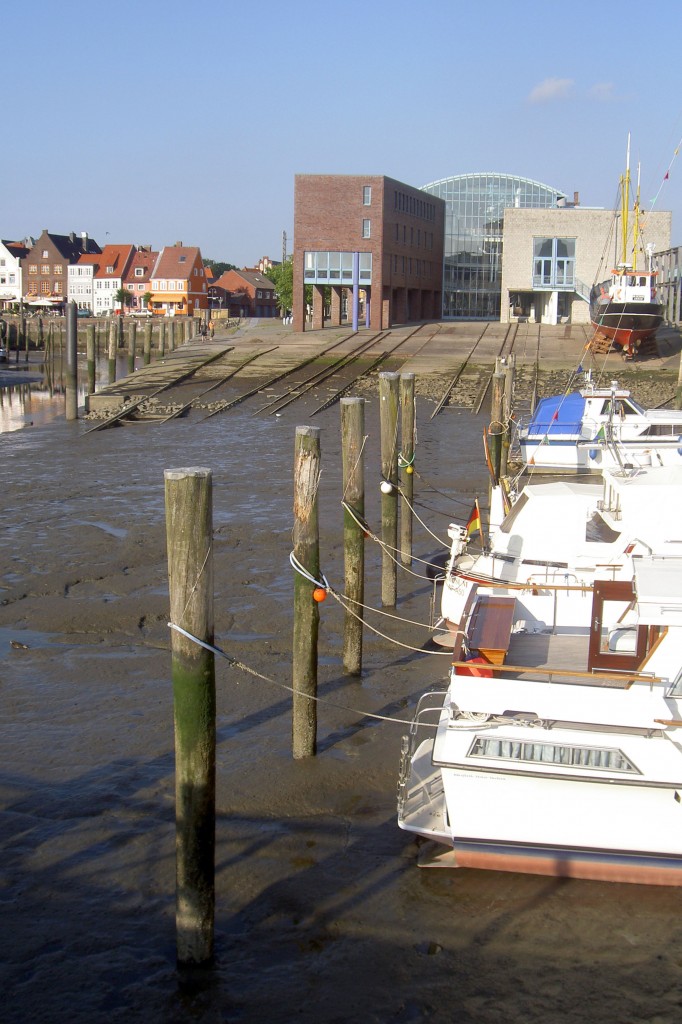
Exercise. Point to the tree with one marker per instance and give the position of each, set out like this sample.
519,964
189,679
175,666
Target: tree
146,299
219,268
124,297
282,276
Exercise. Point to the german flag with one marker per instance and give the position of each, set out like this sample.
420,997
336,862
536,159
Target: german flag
474,521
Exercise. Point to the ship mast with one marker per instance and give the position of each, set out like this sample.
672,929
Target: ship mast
625,203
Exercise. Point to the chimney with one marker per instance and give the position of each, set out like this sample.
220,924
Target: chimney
84,241
576,198
178,245
72,236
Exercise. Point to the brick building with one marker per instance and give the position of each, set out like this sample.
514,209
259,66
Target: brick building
367,234
244,293
46,265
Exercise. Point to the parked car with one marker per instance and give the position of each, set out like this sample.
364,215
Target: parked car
84,312
142,312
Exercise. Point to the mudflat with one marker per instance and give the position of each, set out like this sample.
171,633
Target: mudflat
322,914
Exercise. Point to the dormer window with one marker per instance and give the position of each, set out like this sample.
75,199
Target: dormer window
139,271
182,259
110,270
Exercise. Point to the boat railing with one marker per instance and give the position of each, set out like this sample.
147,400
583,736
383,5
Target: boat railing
429,703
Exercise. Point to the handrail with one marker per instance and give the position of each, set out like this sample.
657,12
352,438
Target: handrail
630,677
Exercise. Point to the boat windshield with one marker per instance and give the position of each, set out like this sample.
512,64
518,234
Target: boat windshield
597,531
513,514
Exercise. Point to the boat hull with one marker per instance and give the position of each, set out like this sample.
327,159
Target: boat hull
594,865
628,324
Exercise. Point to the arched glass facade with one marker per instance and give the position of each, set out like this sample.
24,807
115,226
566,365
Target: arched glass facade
475,205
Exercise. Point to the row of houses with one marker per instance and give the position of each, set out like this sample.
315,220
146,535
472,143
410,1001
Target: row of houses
55,269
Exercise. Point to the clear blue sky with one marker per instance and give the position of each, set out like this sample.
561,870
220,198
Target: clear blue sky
164,121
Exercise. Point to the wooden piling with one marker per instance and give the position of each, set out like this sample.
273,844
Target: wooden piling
407,417
509,372
162,338
496,424
90,356
71,361
306,613
132,344
352,442
113,348
171,336
189,534
388,416
147,343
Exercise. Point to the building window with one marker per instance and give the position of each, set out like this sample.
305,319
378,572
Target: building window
44,268
45,287
57,269
33,268
139,271
554,263
366,229
45,255
367,195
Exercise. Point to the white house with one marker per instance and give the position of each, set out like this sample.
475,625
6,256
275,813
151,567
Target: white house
80,286
11,254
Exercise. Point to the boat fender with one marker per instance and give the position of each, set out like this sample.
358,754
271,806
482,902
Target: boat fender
594,452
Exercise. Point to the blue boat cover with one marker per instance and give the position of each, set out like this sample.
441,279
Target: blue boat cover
560,414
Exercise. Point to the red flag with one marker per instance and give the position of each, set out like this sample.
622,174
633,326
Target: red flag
666,175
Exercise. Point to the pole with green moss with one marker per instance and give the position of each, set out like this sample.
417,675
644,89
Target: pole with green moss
189,534
113,349
388,418
306,614
352,444
90,356
405,465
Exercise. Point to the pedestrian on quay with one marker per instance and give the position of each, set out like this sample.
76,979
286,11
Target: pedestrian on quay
211,328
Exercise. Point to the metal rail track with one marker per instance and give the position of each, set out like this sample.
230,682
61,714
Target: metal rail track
460,370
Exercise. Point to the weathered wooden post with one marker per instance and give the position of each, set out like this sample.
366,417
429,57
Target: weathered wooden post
189,535
352,443
678,389
113,348
71,361
90,356
171,336
306,613
407,416
162,338
132,344
507,410
496,425
388,417
147,343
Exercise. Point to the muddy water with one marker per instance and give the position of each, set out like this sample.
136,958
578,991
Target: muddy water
322,913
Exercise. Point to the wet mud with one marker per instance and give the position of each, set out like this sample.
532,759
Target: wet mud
322,914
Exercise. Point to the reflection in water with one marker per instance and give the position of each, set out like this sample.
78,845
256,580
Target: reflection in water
38,396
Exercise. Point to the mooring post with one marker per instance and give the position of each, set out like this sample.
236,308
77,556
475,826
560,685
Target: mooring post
171,336
496,424
90,356
147,343
113,348
306,612
407,432
189,537
352,444
71,361
507,410
132,344
162,338
388,417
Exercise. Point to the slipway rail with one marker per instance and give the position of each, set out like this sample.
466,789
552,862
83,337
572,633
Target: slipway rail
460,370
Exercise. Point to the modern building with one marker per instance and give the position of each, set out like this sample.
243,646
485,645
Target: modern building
366,239
669,265
553,257
474,220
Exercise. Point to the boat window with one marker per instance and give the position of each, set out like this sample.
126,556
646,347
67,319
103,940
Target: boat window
601,758
676,688
662,430
512,515
599,532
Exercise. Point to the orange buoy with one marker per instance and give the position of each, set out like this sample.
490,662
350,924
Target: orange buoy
319,594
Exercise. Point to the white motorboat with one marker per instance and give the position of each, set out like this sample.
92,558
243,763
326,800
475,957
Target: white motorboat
557,747
599,428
